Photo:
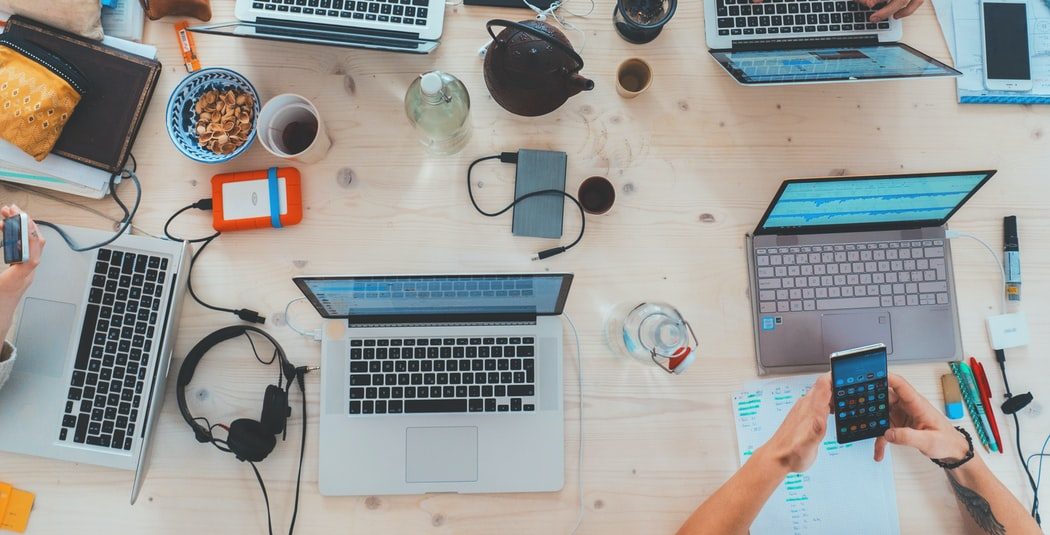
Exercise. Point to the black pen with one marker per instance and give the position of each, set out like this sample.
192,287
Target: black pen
1011,258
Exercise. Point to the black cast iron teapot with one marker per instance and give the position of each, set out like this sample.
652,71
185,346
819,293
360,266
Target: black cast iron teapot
531,68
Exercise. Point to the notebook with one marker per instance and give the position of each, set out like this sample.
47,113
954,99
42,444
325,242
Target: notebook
102,130
844,487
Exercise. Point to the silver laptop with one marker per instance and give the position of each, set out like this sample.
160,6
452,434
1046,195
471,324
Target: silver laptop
441,383
95,335
810,41
412,26
844,262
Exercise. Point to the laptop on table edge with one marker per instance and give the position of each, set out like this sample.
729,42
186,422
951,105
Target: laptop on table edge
810,57
857,221
367,24
482,445
55,342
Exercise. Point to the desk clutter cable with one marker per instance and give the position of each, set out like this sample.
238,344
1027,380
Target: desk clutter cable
244,314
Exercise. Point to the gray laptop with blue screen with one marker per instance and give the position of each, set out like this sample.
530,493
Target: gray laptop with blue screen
440,383
844,262
811,41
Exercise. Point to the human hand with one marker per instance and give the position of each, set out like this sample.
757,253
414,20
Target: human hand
795,444
915,422
897,8
17,277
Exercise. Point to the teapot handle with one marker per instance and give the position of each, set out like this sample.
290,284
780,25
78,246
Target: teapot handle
536,33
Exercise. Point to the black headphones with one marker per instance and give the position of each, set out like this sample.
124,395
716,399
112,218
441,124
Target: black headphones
248,439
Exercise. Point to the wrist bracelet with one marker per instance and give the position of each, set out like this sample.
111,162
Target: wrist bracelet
969,454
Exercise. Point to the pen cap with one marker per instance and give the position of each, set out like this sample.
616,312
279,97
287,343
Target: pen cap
1010,242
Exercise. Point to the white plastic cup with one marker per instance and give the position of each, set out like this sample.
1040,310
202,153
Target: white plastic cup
284,110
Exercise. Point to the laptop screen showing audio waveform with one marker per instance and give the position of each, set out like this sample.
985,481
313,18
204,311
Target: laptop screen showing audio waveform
871,200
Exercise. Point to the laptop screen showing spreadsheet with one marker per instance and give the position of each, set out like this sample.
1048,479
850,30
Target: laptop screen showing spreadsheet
830,64
869,203
438,295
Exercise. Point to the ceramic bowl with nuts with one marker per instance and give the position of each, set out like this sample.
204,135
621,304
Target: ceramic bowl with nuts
212,115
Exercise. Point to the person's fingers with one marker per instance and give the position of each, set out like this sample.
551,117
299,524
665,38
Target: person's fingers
880,449
890,8
867,3
6,212
906,436
903,390
909,9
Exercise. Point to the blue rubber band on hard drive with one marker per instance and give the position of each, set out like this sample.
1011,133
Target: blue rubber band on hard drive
275,198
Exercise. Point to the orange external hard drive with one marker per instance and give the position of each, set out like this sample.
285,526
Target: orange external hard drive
257,199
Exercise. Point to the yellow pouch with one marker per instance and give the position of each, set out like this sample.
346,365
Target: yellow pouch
38,93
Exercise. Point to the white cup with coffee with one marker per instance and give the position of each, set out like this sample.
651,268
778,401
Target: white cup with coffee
291,127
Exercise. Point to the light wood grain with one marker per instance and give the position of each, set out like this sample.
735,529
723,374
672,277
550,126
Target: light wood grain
695,161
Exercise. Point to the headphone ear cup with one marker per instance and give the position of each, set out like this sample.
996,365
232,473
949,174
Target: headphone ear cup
249,440
275,410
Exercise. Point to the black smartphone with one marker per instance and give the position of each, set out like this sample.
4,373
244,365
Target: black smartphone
16,239
860,395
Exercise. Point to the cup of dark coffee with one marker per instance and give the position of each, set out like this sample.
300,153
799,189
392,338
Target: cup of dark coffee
291,127
597,195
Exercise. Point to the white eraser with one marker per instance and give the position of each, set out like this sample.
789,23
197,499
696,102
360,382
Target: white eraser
1008,330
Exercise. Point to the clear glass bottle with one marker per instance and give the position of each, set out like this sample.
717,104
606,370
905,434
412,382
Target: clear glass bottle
438,106
651,333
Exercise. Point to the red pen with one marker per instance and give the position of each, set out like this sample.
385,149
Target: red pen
986,398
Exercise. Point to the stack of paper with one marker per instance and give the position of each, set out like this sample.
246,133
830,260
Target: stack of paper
56,172
844,491
960,22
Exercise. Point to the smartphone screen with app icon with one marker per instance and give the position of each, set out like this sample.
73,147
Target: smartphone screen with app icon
860,395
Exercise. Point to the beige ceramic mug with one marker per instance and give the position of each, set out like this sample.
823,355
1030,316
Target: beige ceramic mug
633,77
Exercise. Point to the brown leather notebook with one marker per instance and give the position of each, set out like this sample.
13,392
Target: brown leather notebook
102,130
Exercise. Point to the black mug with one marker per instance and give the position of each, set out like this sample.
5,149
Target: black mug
640,21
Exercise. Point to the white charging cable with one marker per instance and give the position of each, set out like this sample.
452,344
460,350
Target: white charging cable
950,234
579,461
315,334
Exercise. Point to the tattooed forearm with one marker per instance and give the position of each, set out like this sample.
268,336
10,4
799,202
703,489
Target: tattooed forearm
977,506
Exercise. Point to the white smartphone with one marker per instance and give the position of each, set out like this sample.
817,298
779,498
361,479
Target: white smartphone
1006,45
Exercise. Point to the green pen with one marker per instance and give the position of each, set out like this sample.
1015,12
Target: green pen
981,418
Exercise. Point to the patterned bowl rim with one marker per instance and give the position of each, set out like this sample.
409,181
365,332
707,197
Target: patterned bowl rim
182,87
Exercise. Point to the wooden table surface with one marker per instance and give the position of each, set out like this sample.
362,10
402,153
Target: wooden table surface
695,161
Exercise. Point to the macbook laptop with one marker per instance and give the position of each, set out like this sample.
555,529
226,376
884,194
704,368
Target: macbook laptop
440,383
94,337
411,26
844,262
810,41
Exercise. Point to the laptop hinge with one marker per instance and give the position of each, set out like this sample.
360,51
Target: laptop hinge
336,29
795,43
434,320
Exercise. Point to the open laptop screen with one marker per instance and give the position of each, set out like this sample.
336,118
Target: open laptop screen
862,203
436,295
831,64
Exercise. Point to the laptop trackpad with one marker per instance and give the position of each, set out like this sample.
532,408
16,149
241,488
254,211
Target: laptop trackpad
43,336
441,454
850,330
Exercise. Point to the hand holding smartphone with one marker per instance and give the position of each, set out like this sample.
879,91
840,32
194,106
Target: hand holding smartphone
16,239
860,395
1005,40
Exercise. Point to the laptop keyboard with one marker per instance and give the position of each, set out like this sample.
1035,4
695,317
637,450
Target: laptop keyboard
849,276
115,348
406,12
794,17
442,375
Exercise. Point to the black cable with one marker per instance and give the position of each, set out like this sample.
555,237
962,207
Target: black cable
266,497
1001,358
125,222
244,314
512,157
300,379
